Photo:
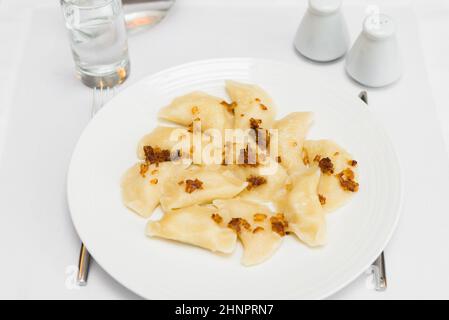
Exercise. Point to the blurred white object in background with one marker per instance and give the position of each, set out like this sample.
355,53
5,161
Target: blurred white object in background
374,59
322,34
142,14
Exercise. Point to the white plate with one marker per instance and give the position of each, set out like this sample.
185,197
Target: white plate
158,269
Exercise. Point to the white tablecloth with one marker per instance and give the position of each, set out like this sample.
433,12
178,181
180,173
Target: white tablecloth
43,109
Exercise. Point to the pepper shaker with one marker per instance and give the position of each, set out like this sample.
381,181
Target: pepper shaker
322,34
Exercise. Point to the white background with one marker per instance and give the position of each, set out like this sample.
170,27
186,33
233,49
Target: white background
43,109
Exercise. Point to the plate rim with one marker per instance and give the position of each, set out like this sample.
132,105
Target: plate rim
336,90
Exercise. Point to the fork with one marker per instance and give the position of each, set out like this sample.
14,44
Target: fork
378,266
100,96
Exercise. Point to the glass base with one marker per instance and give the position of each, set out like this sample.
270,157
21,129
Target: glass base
105,80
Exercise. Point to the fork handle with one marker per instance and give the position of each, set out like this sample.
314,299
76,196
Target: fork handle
380,275
83,266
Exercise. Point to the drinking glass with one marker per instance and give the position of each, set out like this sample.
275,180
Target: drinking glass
98,40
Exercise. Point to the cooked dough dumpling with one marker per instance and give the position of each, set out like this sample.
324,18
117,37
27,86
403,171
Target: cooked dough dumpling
141,185
165,138
292,130
198,105
255,183
334,195
253,224
265,182
200,148
252,102
194,225
198,185
305,216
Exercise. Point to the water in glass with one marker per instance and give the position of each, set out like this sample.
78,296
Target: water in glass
98,40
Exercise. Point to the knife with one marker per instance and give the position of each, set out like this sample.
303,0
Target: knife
378,266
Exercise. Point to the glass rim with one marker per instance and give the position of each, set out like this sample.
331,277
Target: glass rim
92,6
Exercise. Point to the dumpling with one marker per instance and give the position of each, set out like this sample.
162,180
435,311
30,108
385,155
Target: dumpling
252,102
200,148
292,130
198,185
199,106
138,193
338,183
194,225
257,228
141,185
244,150
266,183
165,138
305,216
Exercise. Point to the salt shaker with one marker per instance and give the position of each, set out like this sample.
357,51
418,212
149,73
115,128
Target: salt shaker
374,59
322,34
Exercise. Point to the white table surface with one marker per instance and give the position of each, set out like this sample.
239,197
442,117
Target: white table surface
43,110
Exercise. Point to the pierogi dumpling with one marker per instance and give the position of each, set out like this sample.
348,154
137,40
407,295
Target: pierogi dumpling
255,183
292,130
199,185
252,102
334,194
200,148
198,106
142,183
259,230
165,138
266,183
305,216
194,225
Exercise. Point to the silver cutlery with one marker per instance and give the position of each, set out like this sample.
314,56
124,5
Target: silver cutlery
380,276
99,97
378,266
83,266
